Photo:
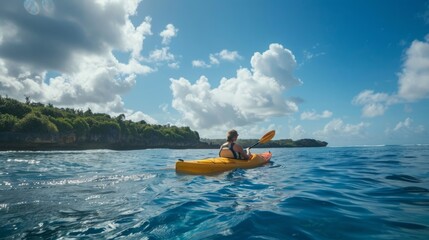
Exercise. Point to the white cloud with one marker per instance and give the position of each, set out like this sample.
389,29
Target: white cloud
297,132
336,128
413,83
373,109
368,96
229,55
406,126
133,37
407,130
315,116
256,131
168,33
253,131
174,65
138,116
252,96
216,58
163,55
414,78
374,104
76,40
200,64
277,63
97,81
133,67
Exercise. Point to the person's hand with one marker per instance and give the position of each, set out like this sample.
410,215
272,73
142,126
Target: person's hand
248,151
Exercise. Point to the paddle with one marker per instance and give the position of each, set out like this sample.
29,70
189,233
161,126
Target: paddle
267,137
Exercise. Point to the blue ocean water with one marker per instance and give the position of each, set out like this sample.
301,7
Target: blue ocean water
374,192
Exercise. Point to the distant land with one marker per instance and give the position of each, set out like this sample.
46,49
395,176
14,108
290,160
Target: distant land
36,126
281,143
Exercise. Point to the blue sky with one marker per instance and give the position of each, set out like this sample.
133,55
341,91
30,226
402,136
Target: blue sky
346,72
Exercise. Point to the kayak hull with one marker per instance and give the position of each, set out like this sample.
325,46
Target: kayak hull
220,164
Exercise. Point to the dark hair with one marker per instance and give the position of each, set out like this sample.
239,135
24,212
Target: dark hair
231,134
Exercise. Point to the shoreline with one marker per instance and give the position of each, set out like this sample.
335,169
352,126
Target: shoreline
35,149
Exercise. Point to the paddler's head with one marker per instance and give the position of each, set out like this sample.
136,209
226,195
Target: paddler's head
231,135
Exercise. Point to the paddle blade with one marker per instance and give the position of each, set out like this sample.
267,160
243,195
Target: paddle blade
267,137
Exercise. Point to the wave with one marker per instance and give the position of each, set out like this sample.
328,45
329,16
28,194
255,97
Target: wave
403,177
18,160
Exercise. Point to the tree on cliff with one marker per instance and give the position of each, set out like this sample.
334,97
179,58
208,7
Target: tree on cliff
37,118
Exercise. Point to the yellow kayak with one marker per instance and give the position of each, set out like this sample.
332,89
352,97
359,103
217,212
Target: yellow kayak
220,164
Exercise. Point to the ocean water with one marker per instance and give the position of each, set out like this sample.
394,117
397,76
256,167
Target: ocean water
374,192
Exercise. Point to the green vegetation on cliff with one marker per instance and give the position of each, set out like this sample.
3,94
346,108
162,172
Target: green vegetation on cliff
38,126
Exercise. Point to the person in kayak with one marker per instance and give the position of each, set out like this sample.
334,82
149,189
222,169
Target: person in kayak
230,149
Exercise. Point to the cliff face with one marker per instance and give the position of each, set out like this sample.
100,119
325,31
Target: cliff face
27,141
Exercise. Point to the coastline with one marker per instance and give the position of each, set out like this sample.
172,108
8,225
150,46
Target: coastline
33,126
10,141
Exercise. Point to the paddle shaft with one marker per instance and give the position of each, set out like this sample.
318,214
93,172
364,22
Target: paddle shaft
254,145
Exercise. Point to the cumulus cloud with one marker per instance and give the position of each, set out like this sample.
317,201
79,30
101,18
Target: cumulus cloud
277,63
374,104
297,132
229,55
138,116
406,126
65,56
217,58
169,32
312,115
413,83
407,129
200,64
337,128
163,56
414,78
253,95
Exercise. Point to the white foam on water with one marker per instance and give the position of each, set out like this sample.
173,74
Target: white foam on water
18,160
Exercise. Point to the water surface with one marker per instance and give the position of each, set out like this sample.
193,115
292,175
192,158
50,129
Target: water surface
305,193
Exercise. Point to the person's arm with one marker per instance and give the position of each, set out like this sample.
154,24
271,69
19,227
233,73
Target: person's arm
239,149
